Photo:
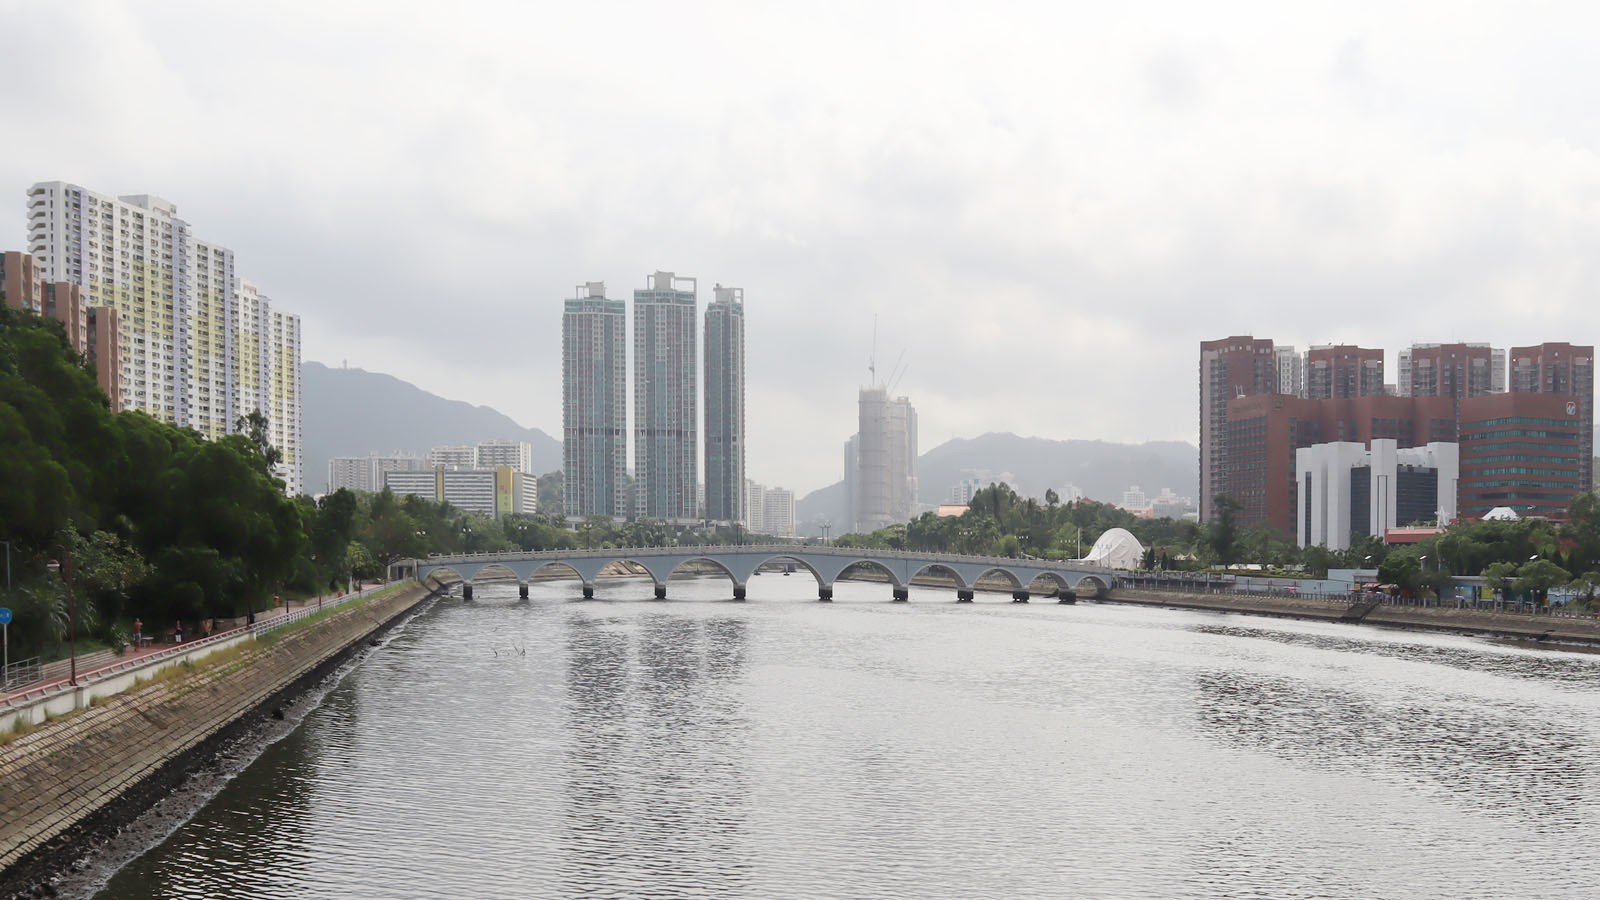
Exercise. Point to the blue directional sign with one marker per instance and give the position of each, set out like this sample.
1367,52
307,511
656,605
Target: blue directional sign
5,615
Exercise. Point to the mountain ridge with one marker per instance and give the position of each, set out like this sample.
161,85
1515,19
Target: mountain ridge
351,412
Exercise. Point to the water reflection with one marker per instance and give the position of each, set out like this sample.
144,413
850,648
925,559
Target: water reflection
657,788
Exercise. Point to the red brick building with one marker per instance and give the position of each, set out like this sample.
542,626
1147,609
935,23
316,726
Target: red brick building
1263,433
1567,371
1522,450
1343,371
1239,366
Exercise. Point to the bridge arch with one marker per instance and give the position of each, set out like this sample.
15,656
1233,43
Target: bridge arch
1016,581
792,559
557,565
493,569
864,562
1052,579
1092,585
721,566
943,571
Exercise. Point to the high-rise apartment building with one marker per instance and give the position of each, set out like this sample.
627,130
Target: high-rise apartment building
1291,371
1239,366
777,516
181,311
366,473
886,452
1341,372
755,505
852,471
496,492
666,434
494,454
594,386
454,456
1457,371
1567,371
725,436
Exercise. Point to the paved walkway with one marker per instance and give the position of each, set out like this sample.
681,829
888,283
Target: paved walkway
91,664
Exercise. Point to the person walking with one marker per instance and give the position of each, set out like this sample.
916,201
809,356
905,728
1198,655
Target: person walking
177,632
138,633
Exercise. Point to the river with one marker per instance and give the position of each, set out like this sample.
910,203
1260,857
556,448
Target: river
784,748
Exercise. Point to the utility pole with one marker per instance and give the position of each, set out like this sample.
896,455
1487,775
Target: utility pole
72,623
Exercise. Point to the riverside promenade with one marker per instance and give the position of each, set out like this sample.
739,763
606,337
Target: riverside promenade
1501,624
84,774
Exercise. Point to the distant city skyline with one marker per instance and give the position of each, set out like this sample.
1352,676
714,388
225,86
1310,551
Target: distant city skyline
1328,174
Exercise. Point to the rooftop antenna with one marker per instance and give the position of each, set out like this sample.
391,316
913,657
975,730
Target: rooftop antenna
895,373
872,361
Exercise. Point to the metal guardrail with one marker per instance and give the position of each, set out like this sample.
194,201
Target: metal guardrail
21,672
54,688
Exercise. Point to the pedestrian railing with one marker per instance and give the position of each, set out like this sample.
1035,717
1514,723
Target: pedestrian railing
21,673
185,649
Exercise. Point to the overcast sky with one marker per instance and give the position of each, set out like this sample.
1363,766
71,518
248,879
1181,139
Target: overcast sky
1047,206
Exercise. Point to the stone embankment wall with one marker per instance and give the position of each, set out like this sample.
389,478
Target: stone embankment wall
76,777
1468,621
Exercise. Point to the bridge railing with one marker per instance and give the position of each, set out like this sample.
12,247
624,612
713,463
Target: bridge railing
794,550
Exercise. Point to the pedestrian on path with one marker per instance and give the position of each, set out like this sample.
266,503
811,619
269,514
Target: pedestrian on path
177,632
138,628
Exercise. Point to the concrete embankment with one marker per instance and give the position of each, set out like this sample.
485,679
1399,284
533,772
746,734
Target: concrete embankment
1466,621
75,779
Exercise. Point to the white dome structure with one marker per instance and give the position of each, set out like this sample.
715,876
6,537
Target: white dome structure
1501,514
1116,549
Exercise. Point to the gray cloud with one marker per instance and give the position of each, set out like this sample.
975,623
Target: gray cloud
1046,209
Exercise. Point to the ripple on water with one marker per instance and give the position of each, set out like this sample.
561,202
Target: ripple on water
781,748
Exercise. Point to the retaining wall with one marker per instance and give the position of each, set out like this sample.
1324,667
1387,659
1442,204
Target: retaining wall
74,778
1467,621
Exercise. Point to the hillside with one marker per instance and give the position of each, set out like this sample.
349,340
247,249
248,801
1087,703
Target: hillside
1102,470
352,412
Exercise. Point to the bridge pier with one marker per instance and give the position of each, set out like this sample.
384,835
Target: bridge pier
522,591
825,593
738,592
1019,596
901,594
661,592
963,596
466,592
1067,597
588,592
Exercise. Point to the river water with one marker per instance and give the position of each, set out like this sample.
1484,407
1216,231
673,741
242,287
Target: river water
559,748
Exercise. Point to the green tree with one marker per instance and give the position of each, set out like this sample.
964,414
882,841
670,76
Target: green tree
1223,533
1538,576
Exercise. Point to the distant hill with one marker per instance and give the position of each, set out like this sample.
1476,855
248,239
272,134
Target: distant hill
353,412
1102,470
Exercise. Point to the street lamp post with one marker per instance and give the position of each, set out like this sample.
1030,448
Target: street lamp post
72,624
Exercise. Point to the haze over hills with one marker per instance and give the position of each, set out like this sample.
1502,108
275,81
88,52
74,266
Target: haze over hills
1102,470
353,412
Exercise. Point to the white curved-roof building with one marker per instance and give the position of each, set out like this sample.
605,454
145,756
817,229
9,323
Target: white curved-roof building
1116,549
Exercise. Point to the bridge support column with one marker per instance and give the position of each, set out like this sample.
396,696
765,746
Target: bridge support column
466,592
522,591
963,596
825,593
661,592
588,592
1019,596
738,592
901,594
1067,597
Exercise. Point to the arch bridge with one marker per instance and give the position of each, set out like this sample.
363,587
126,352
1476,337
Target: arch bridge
741,561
